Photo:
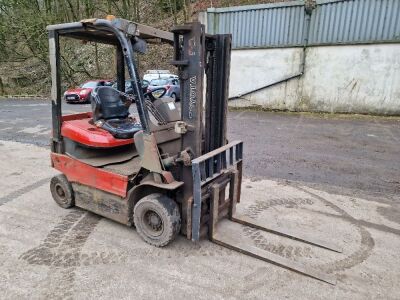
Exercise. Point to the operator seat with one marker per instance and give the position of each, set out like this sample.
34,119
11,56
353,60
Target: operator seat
111,113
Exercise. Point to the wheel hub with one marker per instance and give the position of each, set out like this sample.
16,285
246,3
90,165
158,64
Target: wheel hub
153,222
60,192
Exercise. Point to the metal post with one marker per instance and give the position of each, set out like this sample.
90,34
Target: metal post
192,101
120,69
233,193
189,57
193,229
214,209
54,54
136,84
218,65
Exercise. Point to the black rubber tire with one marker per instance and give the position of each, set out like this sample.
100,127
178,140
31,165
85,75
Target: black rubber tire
62,192
173,96
168,213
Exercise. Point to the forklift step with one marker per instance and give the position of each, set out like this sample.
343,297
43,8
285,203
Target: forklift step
245,220
226,235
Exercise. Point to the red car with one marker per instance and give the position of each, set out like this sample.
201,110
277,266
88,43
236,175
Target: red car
82,93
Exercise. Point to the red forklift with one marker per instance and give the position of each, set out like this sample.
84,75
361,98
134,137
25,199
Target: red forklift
170,170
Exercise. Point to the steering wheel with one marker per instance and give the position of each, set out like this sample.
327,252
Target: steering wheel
151,96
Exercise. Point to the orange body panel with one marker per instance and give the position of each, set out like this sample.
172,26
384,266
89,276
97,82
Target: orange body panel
82,173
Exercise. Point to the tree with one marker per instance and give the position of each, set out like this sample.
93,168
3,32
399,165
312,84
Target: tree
24,41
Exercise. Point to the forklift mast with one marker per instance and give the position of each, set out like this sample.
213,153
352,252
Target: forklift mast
200,56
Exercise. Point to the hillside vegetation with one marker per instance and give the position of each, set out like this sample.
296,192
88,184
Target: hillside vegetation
24,67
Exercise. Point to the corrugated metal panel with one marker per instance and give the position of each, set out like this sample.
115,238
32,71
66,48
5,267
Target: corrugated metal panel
355,21
332,22
260,25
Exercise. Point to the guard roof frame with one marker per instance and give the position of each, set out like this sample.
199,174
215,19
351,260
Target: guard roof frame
114,31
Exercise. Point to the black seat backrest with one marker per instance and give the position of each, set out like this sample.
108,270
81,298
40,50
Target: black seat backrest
107,104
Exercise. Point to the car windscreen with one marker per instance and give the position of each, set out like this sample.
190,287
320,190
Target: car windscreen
89,84
159,82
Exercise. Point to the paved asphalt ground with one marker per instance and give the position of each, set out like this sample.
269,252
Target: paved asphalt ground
333,178
337,152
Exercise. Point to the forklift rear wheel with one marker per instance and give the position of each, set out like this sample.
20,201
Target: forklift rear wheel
157,219
61,190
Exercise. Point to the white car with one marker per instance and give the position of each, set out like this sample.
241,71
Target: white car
158,74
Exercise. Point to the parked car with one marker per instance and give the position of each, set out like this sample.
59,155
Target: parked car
171,84
128,86
158,74
81,94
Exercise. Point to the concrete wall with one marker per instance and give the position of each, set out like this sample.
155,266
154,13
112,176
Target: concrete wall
351,78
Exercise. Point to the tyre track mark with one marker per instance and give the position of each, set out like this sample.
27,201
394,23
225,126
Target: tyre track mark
360,255
26,189
366,245
61,251
262,242
254,210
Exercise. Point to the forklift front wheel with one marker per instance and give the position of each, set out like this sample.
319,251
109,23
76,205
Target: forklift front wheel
157,219
61,191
